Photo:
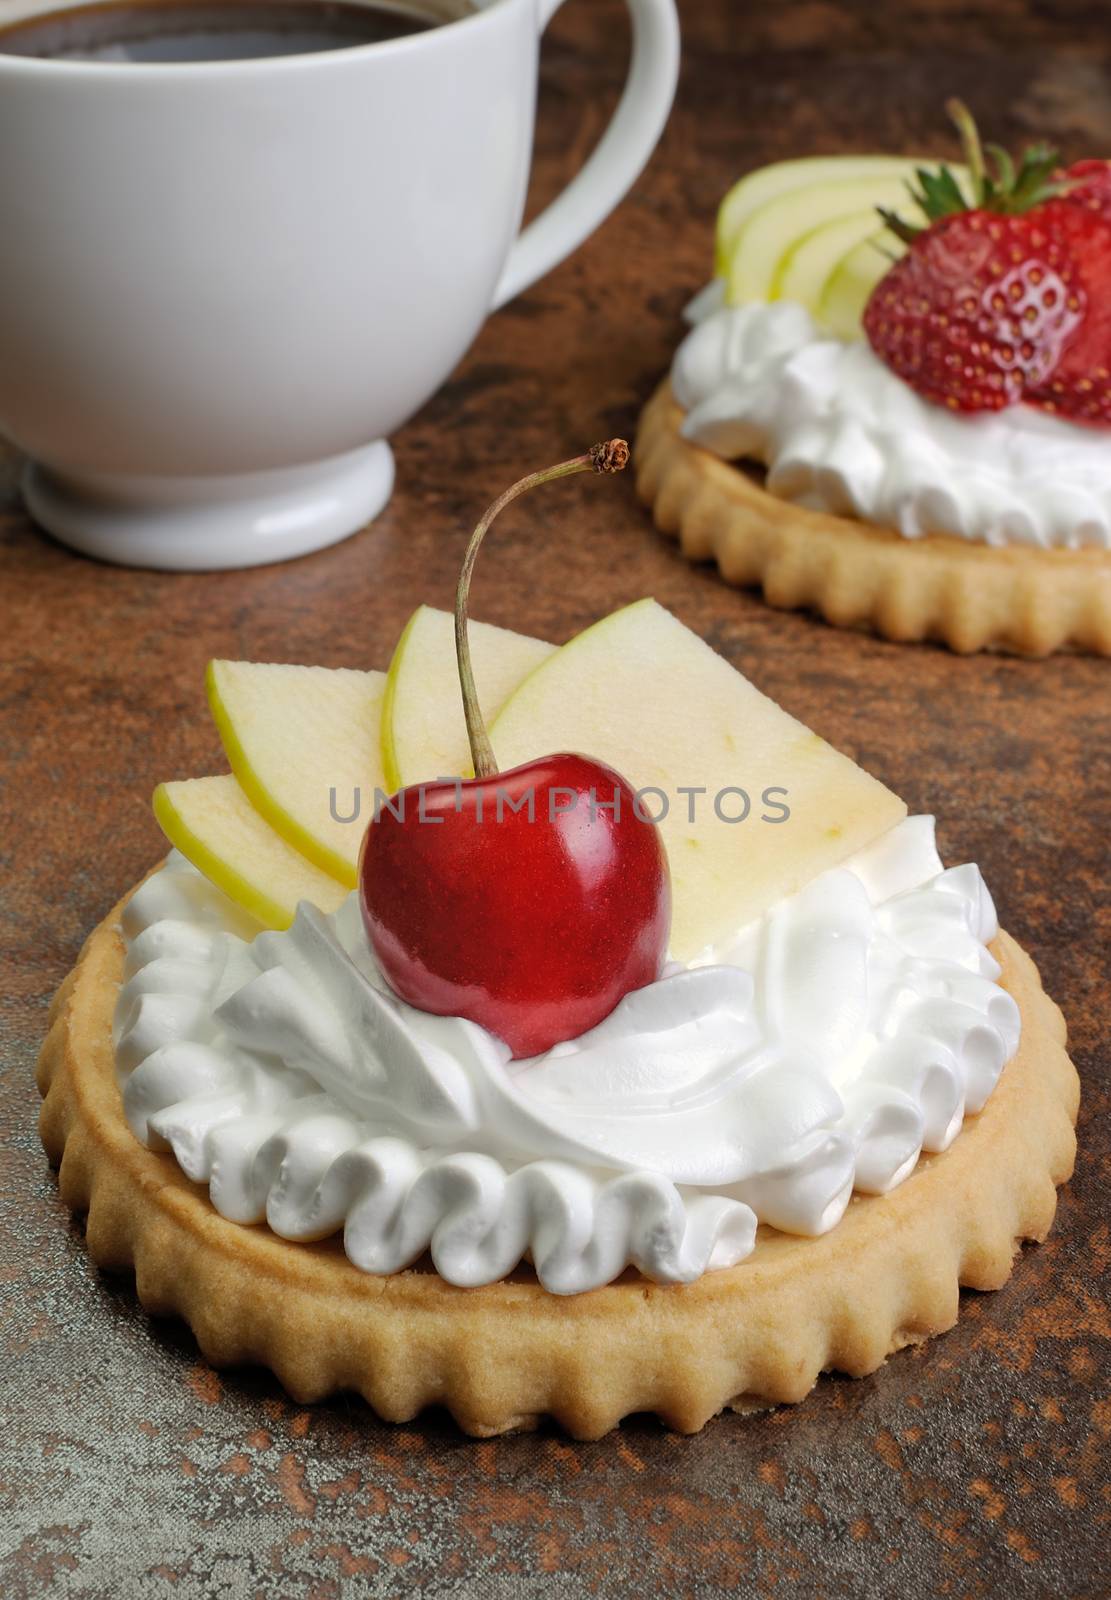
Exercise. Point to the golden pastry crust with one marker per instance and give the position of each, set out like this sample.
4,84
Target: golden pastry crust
969,596
503,1356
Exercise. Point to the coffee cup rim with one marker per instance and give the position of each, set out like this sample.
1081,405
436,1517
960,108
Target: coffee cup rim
141,71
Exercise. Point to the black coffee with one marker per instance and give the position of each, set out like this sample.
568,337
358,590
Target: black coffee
215,30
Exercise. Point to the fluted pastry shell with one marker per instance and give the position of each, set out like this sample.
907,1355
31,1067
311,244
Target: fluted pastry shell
503,1356
968,595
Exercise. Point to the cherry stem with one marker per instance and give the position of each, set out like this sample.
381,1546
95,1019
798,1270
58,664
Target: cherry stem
609,457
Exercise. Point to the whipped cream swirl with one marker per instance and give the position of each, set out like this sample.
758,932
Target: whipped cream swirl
850,1028
839,432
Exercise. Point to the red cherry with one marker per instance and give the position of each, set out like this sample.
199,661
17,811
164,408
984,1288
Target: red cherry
531,901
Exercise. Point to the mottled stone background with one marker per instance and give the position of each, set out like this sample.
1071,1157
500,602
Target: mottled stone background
972,1467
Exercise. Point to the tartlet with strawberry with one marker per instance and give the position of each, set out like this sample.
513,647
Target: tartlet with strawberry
894,406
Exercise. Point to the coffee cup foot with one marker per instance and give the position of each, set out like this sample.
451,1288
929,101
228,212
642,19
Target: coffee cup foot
215,523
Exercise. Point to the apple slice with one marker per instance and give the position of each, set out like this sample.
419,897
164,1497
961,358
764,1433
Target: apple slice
840,308
805,270
293,735
213,824
771,232
839,305
757,188
641,692
424,735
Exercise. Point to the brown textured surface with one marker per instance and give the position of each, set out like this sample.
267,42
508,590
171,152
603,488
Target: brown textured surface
971,1466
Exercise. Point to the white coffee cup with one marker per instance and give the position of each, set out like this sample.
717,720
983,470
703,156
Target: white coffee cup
224,284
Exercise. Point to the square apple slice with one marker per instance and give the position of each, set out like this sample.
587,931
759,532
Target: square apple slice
756,804
215,826
424,735
304,743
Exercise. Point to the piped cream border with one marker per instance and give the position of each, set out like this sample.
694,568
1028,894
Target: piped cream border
503,1356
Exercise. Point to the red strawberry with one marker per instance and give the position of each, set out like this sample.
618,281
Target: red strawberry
1079,386
1007,299
1088,184
980,308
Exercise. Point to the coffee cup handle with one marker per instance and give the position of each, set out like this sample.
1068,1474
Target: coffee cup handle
619,157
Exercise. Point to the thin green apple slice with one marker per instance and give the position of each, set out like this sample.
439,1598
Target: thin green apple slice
807,267
423,734
757,188
771,233
304,744
213,824
840,307
642,692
